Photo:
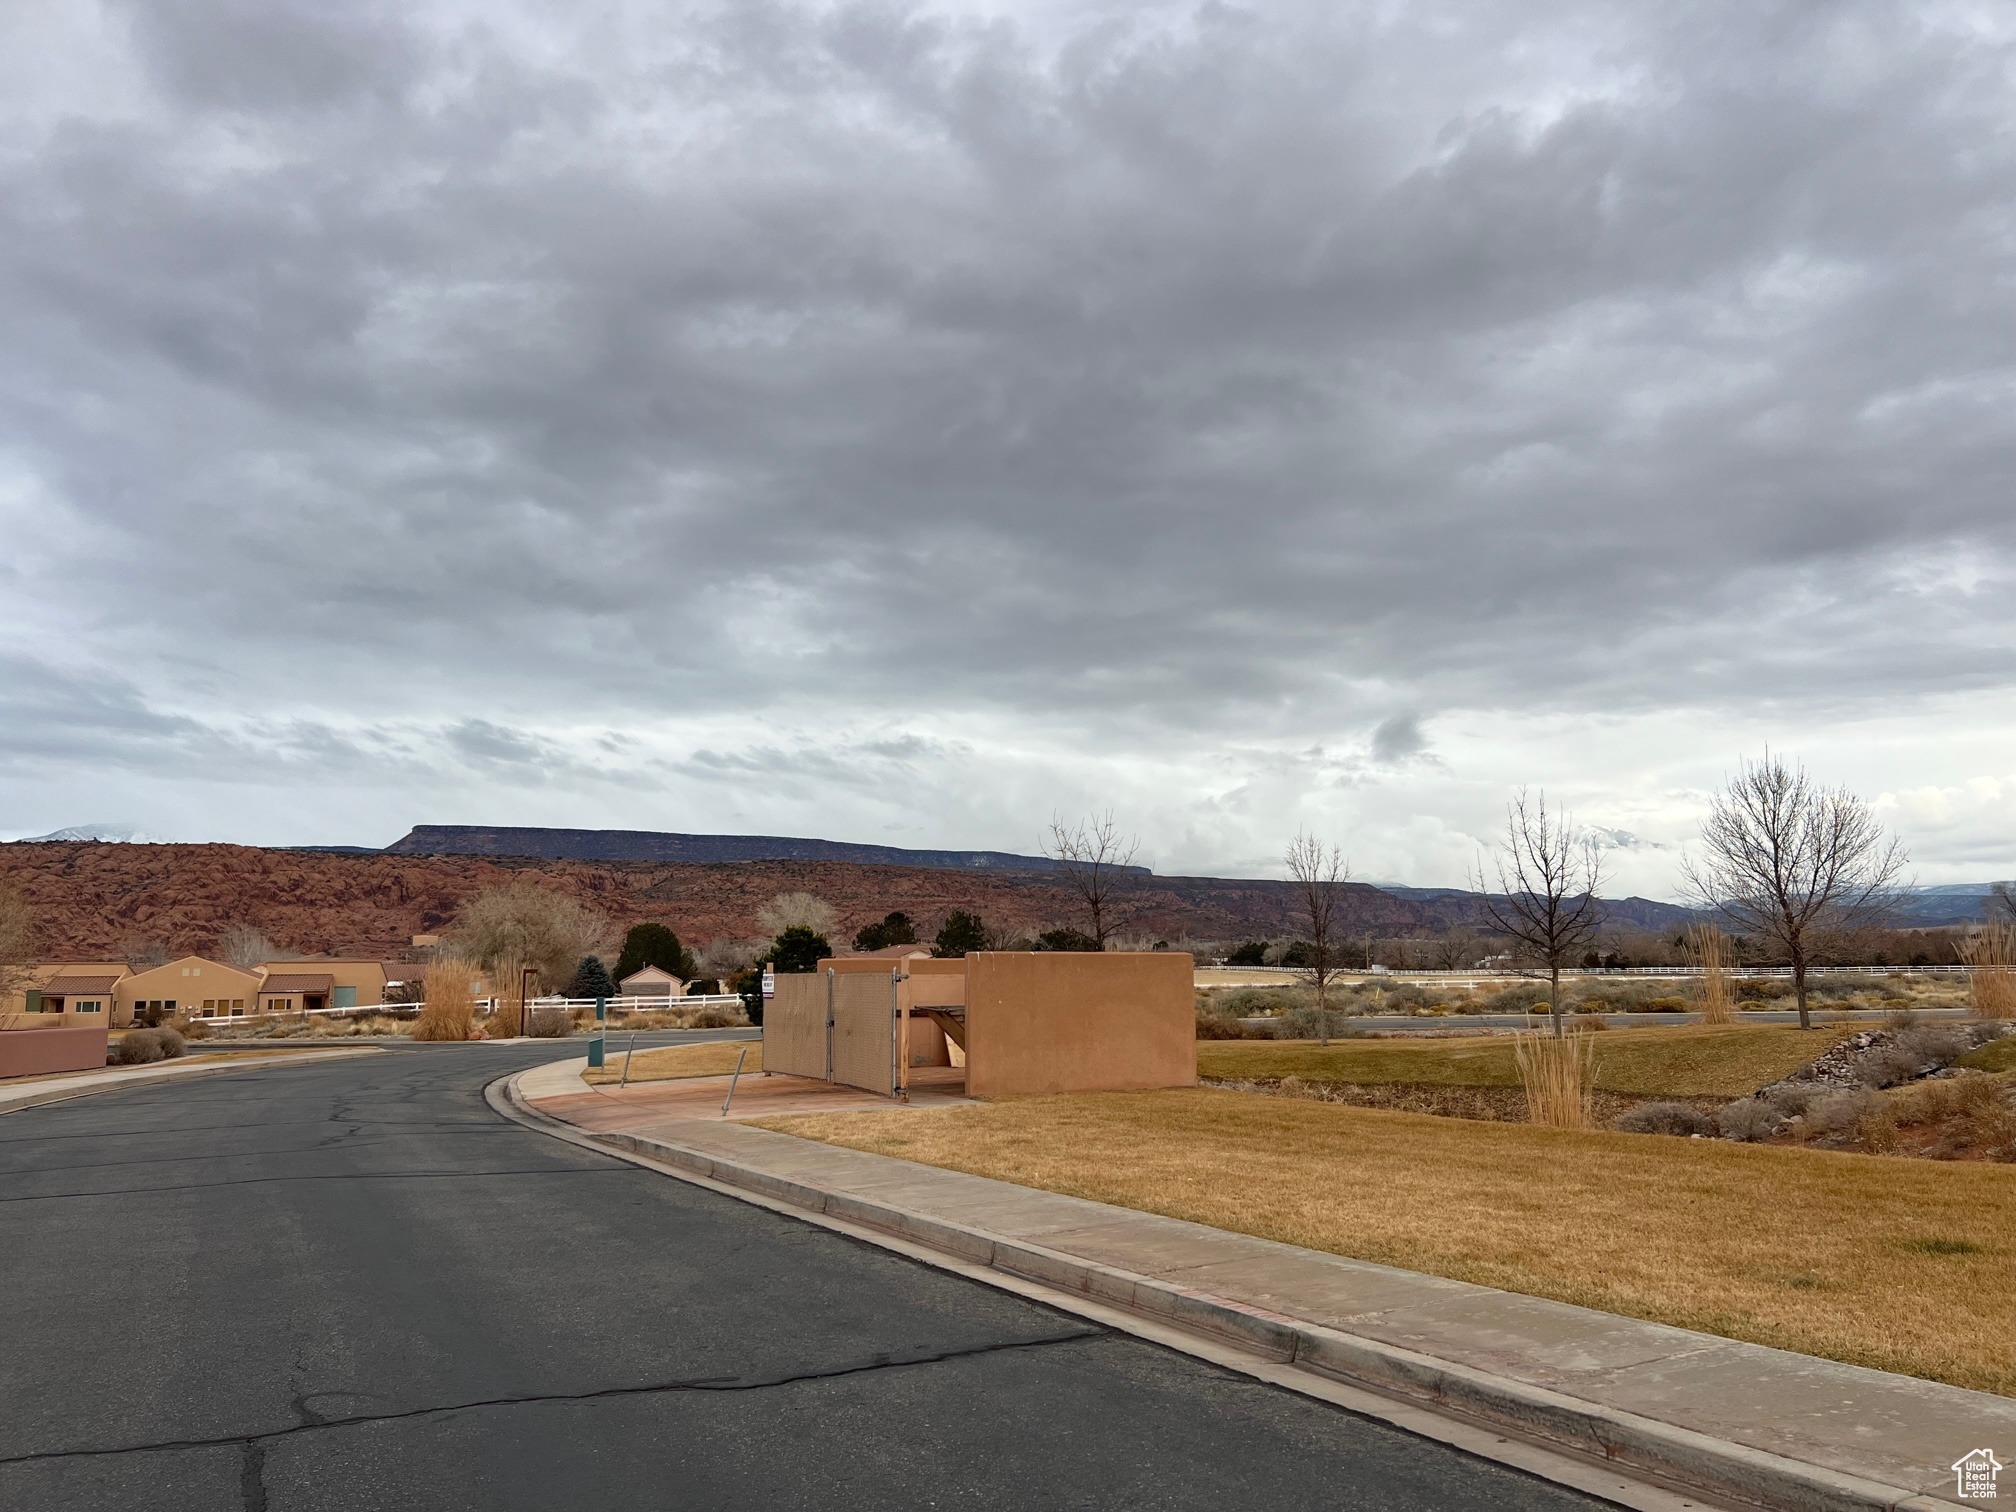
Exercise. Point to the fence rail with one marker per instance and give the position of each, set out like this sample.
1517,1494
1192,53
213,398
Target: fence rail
1289,974
617,1005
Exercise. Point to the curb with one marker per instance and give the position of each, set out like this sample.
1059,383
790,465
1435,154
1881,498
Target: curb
1663,1453
152,1076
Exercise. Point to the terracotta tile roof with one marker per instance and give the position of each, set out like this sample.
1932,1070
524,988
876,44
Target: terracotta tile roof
78,986
302,982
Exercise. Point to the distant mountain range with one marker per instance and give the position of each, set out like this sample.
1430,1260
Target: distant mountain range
113,833
656,845
1921,907
1642,913
1924,907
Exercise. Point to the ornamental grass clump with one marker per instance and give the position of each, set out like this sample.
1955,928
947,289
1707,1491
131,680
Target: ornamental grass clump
449,1012
1557,1073
1991,985
1711,949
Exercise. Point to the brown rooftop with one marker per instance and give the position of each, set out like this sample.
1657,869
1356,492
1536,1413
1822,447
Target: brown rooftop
302,982
78,986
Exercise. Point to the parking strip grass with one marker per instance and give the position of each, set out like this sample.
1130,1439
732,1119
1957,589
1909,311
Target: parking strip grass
1901,1265
1689,1061
675,1062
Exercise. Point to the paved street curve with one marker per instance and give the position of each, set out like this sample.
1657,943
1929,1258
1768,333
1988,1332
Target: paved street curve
353,1286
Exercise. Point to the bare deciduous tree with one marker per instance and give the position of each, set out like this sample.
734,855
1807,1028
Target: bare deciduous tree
798,910
511,928
1092,854
1792,863
17,940
1457,948
722,957
2000,904
1319,873
1548,872
243,945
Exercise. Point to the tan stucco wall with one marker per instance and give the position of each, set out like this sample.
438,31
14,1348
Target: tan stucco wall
188,981
42,1051
1064,1022
368,977
41,976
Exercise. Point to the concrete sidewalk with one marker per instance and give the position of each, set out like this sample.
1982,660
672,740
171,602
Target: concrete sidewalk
1737,1423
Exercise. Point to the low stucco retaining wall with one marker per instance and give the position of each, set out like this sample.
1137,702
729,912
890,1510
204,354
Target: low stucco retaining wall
39,1052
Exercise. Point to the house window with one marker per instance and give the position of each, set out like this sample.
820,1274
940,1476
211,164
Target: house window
89,1007
237,1005
209,1006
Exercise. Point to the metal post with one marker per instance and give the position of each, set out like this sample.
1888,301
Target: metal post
595,1060
733,1080
626,1061
830,974
896,1087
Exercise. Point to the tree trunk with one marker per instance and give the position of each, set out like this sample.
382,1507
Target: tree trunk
1799,988
1554,997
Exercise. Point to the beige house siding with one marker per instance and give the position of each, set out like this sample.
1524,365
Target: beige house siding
193,987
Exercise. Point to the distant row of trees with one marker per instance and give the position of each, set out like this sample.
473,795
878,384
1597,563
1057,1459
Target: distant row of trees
1783,860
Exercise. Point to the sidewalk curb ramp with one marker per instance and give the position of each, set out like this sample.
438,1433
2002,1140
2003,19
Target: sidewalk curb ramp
1663,1454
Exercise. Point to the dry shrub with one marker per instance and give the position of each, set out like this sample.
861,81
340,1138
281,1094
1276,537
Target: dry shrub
1711,949
1212,1025
1916,1050
139,1047
1991,985
720,1018
449,1012
1557,1075
1792,1099
1936,1101
1749,1120
173,1044
195,1030
1860,1118
550,1021
1664,1118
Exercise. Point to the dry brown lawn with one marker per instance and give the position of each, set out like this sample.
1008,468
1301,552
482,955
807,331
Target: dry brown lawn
674,1062
1691,1061
1901,1265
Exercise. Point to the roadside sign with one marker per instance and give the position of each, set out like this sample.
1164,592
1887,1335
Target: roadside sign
769,983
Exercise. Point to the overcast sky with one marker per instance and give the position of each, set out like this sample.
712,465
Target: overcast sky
898,423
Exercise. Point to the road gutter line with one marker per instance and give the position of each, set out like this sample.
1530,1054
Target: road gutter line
40,1094
1516,1439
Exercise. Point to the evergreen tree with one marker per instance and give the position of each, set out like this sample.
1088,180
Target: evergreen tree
963,933
591,980
654,945
798,949
895,929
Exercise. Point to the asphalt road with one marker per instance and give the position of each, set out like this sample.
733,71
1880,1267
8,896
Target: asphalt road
352,1286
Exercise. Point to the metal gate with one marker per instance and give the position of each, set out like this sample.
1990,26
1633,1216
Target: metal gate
837,1026
794,1027
865,1030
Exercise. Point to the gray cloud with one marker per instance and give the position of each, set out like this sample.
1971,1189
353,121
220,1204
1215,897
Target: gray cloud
1111,386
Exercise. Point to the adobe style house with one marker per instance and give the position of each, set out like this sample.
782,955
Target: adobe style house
84,988
114,996
189,988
